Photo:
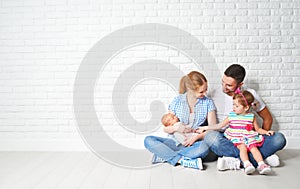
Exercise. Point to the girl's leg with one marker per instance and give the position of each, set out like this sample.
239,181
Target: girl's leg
164,148
262,168
271,145
243,152
256,154
249,168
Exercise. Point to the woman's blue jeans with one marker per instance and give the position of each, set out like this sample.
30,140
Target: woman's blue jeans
223,147
166,149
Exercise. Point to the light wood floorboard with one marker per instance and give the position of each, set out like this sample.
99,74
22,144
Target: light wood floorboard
84,170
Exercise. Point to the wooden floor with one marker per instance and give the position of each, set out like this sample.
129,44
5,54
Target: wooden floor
43,170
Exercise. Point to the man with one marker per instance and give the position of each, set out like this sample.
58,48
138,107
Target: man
232,81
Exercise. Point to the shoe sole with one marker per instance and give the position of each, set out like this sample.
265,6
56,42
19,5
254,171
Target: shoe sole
265,171
250,171
200,164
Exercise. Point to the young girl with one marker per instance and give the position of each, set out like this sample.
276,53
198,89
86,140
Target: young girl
244,132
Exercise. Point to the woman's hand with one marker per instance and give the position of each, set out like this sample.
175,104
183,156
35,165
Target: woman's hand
191,140
188,130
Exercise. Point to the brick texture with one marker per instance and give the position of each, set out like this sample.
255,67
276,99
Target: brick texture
42,44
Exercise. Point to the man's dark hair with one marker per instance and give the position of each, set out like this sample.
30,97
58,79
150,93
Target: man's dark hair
237,72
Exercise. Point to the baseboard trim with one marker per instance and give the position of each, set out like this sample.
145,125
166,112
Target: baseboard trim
43,145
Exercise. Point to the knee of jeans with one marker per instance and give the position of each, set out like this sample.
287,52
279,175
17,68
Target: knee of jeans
211,137
148,141
279,140
200,150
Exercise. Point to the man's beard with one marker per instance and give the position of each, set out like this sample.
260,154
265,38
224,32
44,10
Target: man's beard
228,92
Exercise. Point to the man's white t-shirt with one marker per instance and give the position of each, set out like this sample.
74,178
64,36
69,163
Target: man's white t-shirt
224,108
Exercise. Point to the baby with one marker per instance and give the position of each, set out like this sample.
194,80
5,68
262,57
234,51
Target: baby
183,132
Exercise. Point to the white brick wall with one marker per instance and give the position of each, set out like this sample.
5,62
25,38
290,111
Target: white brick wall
42,44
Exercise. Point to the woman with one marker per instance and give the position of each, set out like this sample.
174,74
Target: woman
192,108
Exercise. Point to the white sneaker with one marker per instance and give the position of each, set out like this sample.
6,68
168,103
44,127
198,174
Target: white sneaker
249,169
264,169
192,163
273,160
156,159
226,163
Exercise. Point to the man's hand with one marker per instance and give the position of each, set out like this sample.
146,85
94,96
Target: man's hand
270,133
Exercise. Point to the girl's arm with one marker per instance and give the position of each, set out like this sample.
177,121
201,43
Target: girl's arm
260,130
224,123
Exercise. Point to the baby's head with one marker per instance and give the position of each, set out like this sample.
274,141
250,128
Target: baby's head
244,100
169,119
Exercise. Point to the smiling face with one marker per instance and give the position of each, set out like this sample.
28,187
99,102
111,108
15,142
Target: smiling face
201,91
229,85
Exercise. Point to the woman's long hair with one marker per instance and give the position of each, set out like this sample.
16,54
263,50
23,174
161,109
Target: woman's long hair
191,81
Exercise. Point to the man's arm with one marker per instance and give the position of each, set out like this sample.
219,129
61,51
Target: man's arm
267,118
262,110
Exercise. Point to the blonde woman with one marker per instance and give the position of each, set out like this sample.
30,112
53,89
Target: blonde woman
193,108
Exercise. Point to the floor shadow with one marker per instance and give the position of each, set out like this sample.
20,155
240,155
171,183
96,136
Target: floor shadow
287,154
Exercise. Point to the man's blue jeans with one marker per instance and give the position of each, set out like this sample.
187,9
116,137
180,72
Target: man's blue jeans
223,147
166,149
